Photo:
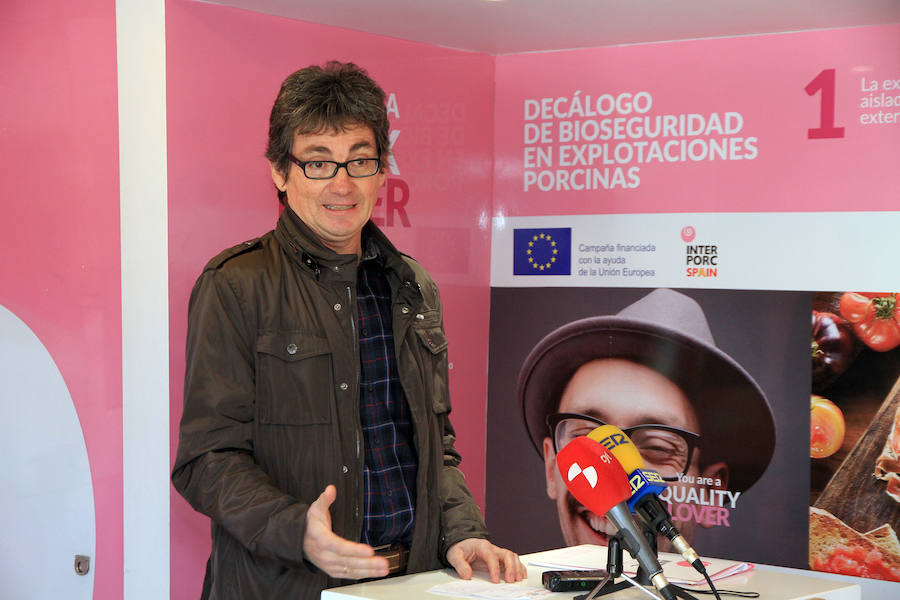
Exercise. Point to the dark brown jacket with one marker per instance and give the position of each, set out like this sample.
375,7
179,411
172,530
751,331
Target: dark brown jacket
271,410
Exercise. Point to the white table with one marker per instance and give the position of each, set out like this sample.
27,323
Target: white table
772,584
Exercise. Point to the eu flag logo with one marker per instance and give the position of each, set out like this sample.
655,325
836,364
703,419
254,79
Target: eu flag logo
542,251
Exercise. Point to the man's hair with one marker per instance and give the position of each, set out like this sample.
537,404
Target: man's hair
318,99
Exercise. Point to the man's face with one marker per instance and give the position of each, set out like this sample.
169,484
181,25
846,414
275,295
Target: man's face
625,394
335,209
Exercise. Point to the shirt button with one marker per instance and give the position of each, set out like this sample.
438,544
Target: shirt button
345,469
420,317
344,386
337,306
405,310
365,331
291,348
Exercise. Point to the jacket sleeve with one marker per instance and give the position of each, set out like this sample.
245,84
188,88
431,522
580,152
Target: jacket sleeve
461,516
214,467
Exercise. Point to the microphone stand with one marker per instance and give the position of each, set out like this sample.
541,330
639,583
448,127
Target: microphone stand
608,585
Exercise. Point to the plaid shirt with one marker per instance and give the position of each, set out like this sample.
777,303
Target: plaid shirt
389,474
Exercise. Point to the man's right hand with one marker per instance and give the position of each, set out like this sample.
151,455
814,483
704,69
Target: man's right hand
340,558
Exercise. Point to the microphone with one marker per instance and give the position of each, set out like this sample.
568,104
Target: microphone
596,479
645,485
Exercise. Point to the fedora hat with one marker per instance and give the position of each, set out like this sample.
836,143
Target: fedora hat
666,331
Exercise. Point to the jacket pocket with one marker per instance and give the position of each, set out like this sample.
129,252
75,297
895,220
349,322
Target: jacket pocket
433,340
293,379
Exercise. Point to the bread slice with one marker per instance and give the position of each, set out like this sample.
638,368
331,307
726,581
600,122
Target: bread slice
828,535
827,531
885,538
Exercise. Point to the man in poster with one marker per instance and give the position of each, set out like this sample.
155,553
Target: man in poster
653,369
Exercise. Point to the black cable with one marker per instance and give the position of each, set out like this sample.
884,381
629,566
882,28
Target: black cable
736,593
711,586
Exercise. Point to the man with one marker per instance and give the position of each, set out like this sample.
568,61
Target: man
315,432
654,371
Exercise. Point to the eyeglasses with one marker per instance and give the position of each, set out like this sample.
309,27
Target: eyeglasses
326,169
664,449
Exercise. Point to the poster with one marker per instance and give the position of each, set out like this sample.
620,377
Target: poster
757,329
855,434
753,176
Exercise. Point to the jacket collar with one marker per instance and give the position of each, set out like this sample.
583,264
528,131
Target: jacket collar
303,247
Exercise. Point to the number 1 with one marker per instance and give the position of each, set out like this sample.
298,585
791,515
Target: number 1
824,82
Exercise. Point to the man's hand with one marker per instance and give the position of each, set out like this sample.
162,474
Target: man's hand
340,558
474,553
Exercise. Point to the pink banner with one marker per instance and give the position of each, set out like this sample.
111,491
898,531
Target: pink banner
435,205
596,149
803,122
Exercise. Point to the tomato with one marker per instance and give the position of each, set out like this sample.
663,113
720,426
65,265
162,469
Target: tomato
875,318
859,562
826,427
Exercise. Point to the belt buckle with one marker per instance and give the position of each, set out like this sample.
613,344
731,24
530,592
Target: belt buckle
397,555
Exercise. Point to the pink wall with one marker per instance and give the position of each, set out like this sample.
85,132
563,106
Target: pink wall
224,67
61,269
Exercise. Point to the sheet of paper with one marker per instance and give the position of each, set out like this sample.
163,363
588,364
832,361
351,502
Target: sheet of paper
676,569
484,589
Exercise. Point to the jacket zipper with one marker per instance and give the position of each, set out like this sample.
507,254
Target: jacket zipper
359,457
